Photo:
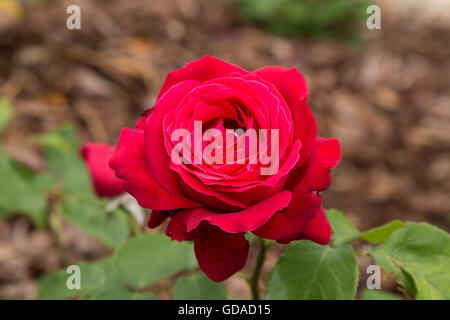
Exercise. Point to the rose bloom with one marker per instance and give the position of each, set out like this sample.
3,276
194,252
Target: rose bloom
215,205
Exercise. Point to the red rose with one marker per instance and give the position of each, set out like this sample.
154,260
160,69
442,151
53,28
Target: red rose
105,182
216,204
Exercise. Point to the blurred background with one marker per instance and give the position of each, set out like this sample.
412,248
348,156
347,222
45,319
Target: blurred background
385,94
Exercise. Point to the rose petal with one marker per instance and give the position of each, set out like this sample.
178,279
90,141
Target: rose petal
104,180
325,156
220,254
176,229
140,124
317,230
265,188
289,82
156,218
157,157
129,162
236,222
292,86
306,201
203,69
301,210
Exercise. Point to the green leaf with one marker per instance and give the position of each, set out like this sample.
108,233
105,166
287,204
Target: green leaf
368,294
43,182
6,113
5,213
404,278
53,286
145,259
62,154
90,215
19,195
420,255
199,287
380,234
343,230
113,288
98,282
310,271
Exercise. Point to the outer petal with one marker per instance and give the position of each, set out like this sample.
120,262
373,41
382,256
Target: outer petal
289,82
158,159
306,201
203,69
176,229
140,124
317,230
292,86
129,162
220,254
105,182
284,224
242,221
157,217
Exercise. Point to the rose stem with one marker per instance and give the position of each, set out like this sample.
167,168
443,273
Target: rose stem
134,224
256,273
55,229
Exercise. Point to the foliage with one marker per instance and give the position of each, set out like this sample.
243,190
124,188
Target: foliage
21,191
89,214
99,281
63,192
417,254
127,275
148,258
368,294
61,152
198,287
19,194
78,203
380,234
310,271
343,230
342,19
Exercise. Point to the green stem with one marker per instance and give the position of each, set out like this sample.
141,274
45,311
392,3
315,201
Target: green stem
134,225
257,272
55,228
